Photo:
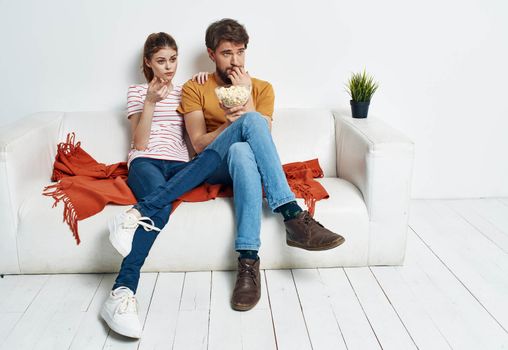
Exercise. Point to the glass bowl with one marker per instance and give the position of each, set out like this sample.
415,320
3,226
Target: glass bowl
233,95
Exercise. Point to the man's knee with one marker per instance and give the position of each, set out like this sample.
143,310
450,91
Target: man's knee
240,152
253,121
242,165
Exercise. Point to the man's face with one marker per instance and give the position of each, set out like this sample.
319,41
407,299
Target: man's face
226,56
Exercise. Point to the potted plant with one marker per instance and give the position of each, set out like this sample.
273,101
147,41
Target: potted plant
361,87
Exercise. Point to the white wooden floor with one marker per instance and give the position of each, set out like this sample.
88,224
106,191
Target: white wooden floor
452,293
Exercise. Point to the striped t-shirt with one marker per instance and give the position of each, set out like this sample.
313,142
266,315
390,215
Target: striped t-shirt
167,132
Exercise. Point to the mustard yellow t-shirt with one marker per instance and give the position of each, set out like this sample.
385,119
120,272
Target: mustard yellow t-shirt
197,97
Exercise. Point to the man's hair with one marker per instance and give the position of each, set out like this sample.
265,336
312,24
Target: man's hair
226,29
153,44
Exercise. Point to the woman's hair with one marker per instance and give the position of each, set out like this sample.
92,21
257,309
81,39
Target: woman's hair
153,44
226,29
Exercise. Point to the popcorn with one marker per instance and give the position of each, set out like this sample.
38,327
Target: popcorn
234,95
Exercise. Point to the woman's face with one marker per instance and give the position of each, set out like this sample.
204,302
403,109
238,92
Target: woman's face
164,63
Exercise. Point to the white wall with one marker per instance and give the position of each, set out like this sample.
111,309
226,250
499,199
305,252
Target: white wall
442,66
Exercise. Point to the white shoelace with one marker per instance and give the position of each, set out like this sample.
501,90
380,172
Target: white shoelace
128,303
148,226
132,222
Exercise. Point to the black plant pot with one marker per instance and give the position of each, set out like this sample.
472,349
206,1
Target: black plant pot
359,109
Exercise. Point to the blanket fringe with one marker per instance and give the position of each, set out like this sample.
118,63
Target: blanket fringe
305,193
69,145
70,216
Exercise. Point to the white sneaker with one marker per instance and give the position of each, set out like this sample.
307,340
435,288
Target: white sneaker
122,228
120,311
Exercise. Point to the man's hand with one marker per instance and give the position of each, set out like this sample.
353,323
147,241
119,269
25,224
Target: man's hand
200,77
239,76
232,114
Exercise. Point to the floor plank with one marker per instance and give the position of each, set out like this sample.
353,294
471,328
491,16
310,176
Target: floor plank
160,325
7,323
230,329
17,292
389,329
93,331
354,325
491,209
488,220
288,320
417,321
192,324
62,299
477,262
322,324
458,315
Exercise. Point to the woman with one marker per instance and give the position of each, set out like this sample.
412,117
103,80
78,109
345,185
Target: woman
158,152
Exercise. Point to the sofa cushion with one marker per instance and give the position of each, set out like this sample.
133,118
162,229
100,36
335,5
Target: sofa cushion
104,135
199,236
303,134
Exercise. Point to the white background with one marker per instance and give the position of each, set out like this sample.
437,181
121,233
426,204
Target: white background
442,67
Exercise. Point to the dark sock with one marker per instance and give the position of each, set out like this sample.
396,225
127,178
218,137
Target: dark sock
248,254
289,210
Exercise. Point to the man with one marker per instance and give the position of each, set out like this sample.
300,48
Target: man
241,139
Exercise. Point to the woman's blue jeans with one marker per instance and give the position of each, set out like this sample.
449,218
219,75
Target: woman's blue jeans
145,175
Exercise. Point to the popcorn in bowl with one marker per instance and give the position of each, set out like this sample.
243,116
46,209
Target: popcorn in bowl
233,95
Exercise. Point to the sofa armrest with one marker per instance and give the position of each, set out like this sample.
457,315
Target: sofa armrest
378,160
27,152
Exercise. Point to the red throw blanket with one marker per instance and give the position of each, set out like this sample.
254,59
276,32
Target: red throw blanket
86,186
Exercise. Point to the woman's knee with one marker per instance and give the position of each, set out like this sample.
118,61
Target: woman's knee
144,177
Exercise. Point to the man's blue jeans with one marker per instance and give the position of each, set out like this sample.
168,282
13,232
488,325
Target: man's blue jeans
243,155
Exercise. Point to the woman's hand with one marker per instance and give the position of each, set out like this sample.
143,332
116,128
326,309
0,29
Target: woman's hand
239,76
158,90
200,77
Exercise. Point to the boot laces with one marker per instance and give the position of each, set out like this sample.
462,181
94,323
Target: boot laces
308,220
248,271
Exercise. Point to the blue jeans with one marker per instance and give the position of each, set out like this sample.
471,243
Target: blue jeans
145,175
243,155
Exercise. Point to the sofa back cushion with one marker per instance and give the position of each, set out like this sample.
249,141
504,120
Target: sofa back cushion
105,135
306,133
299,134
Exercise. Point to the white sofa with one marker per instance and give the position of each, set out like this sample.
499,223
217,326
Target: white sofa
367,168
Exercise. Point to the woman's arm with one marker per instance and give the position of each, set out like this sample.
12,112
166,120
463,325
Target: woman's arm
141,123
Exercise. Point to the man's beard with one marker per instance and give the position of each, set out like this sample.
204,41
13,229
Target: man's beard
223,75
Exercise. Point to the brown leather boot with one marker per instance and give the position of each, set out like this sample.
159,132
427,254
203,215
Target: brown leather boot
248,285
306,233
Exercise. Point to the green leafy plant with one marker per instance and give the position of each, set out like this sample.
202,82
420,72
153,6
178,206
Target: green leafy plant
361,87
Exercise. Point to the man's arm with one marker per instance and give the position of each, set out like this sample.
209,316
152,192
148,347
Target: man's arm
196,128
240,76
